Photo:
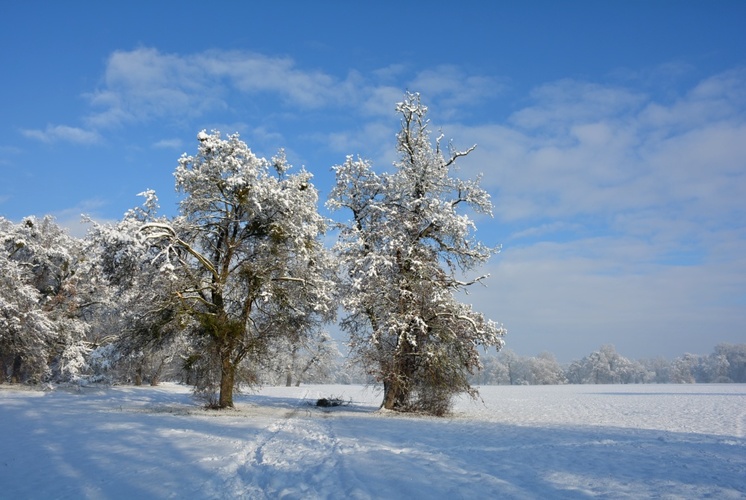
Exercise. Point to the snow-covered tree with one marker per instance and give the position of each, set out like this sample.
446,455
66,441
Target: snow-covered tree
683,369
402,254
607,366
493,371
713,368
245,255
729,363
659,369
545,370
509,368
309,359
26,334
45,292
137,322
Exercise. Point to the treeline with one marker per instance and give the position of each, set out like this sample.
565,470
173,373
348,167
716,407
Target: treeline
726,364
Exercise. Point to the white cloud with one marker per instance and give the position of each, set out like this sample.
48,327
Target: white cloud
660,186
570,298
169,144
63,133
9,150
380,101
6,153
391,72
454,89
718,98
586,150
72,218
546,229
374,141
252,73
570,102
145,83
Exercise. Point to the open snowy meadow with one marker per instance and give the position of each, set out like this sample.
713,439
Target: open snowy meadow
639,441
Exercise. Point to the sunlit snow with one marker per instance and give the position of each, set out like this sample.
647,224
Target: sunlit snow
660,441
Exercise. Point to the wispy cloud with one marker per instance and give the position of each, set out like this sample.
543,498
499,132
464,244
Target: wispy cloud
249,72
9,150
63,133
546,229
584,149
145,83
573,297
633,212
558,104
169,144
454,89
72,218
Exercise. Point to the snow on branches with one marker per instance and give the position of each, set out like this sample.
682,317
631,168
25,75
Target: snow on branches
400,255
246,250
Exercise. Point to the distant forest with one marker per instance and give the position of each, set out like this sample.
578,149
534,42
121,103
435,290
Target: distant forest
726,364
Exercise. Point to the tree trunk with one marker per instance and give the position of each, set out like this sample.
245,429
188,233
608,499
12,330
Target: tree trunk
291,366
394,395
156,378
15,374
396,386
388,396
227,378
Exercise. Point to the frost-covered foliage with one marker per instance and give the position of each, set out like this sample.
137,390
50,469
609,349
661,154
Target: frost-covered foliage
507,368
244,257
137,323
607,366
401,254
545,370
45,290
312,359
726,364
26,334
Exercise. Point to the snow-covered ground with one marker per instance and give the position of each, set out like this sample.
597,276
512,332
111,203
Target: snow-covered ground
666,441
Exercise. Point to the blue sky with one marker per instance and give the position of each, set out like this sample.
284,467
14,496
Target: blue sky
611,135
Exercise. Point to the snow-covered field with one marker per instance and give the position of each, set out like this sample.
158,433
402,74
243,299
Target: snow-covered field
666,441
